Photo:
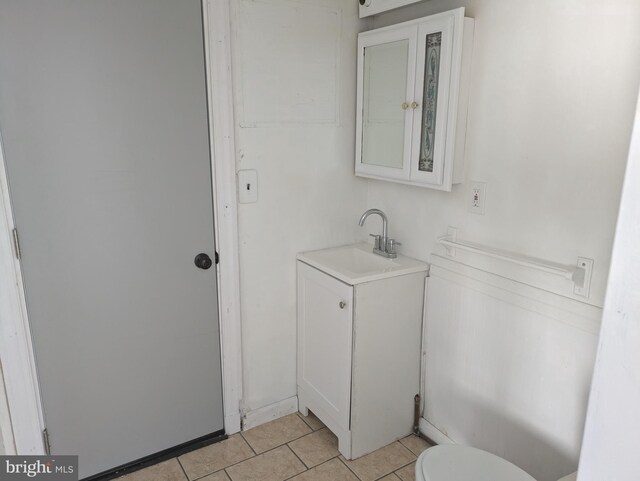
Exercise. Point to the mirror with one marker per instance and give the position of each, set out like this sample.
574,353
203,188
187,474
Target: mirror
383,119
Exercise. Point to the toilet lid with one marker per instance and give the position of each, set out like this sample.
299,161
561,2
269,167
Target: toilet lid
462,463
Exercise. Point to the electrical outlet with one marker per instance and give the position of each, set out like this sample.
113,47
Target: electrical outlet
477,197
247,186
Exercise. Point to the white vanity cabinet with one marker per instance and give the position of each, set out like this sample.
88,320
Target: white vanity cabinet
413,89
359,342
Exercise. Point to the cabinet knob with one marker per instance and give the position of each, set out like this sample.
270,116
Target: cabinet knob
414,105
342,304
405,105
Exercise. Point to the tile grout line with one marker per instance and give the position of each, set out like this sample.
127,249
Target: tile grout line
317,466
323,462
395,471
402,467
225,468
296,455
388,474
283,444
229,466
186,476
242,461
307,468
209,474
248,444
253,457
416,455
309,434
347,466
392,473
310,426
304,420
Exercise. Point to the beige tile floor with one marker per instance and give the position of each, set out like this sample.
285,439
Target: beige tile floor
290,448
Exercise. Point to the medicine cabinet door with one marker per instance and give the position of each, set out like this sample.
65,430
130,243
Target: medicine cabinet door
386,82
431,146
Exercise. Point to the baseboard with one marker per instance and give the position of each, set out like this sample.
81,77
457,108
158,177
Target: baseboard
433,433
269,413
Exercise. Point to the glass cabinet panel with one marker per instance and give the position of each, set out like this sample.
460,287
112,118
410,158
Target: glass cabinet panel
384,106
430,101
431,134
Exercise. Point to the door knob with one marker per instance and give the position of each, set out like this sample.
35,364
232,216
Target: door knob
342,304
203,261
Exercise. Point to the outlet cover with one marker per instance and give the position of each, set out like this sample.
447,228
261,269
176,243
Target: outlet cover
477,197
247,186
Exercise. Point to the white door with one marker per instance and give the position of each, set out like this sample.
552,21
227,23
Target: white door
103,112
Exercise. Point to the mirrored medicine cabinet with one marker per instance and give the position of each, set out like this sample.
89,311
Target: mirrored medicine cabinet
413,89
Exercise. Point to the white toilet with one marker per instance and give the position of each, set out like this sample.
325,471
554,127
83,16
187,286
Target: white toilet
451,462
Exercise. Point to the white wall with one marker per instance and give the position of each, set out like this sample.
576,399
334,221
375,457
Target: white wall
547,82
610,447
508,368
294,80
551,108
551,105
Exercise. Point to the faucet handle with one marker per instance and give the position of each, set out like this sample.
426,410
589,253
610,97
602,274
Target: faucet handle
376,241
391,245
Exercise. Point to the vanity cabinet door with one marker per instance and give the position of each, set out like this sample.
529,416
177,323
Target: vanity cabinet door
386,83
325,327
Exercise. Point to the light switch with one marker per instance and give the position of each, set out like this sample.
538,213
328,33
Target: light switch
247,186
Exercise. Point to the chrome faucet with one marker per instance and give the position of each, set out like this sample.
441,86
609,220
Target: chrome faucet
383,246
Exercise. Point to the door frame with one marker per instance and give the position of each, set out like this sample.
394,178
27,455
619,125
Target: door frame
217,33
22,423
21,413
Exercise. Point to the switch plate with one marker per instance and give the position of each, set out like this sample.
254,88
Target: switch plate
477,197
247,186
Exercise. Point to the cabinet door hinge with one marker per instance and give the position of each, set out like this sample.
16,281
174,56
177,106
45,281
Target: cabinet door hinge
217,257
16,243
47,443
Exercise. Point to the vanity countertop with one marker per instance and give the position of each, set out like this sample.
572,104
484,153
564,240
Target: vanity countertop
356,263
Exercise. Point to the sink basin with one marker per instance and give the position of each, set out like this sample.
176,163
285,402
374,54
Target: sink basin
357,263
